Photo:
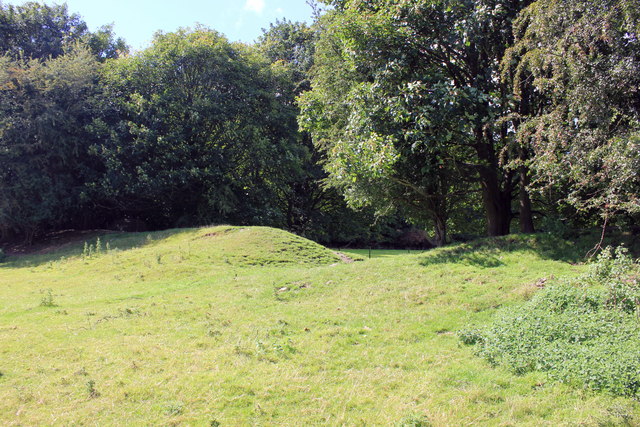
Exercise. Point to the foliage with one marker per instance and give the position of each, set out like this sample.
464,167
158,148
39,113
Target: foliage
45,108
583,332
48,96
575,66
408,114
310,207
290,44
428,112
194,133
39,31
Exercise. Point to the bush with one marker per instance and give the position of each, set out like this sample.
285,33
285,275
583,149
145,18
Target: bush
584,332
2,255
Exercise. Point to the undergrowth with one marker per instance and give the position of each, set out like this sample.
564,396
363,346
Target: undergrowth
584,332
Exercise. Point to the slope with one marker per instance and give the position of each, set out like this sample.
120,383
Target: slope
242,326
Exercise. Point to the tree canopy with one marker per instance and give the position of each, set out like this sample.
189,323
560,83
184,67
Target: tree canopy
35,30
575,68
457,115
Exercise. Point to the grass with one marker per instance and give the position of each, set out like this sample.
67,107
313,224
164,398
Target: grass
360,254
254,326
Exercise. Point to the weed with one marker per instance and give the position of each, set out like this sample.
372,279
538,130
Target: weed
623,414
582,332
414,420
284,348
174,408
91,389
47,298
213,332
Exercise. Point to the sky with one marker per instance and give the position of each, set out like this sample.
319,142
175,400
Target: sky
137,20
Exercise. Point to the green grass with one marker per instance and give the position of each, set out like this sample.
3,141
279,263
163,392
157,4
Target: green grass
254,326
360,254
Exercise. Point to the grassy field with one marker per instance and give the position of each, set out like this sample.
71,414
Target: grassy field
254,326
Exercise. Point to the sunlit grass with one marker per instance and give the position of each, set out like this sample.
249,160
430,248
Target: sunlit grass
249,326
379,253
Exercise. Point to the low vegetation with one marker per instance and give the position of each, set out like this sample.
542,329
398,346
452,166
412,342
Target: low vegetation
583,332
242,325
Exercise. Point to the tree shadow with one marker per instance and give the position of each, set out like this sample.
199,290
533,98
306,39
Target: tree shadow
76,244
485,252
462,255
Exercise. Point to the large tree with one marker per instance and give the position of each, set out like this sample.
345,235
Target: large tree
195,133
34,30
45,110
406,100
575,70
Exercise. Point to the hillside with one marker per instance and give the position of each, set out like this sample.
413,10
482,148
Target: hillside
252,325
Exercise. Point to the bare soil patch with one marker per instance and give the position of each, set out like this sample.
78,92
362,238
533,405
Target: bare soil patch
344,258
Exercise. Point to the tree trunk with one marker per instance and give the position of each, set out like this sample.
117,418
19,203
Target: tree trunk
498,212
440,230
526,217
496,189
497,203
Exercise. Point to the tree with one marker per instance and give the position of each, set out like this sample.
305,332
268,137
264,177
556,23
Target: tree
575,68
198,133
406,99
44,162
33,30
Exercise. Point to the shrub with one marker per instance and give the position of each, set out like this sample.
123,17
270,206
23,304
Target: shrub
584,332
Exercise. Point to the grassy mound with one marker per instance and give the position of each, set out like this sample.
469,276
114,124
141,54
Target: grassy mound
220,245
259,246
585,332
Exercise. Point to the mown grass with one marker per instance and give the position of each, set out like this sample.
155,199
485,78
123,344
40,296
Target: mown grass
253,326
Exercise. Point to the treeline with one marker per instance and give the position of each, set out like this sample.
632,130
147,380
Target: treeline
455,115
193,130
525,108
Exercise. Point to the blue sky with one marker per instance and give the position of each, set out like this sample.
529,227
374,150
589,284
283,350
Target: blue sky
137,20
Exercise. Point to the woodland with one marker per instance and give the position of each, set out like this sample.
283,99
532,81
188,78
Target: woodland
461,118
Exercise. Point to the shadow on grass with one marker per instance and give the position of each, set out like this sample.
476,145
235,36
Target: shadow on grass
485,253
478,258
71,247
